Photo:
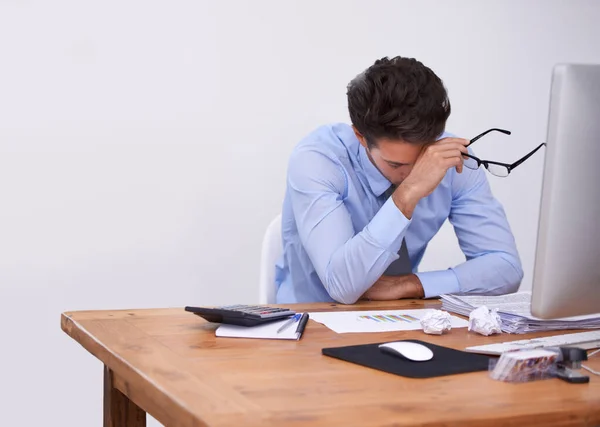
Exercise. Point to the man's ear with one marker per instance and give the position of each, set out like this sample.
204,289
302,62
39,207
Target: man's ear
361,138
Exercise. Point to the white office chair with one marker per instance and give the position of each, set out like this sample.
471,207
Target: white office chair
271,251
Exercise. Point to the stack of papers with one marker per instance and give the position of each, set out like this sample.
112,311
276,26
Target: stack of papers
377,321
515,312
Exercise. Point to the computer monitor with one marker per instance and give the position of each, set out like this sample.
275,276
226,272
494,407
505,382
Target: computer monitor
566,278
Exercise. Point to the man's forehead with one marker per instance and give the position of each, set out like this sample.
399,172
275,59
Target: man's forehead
398,151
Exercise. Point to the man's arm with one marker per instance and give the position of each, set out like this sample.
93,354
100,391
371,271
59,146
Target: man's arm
493,266
347,262
388,288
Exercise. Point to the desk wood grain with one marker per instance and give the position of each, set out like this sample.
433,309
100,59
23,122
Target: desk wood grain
170,364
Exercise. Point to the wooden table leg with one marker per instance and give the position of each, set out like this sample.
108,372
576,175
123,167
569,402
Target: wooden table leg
119,411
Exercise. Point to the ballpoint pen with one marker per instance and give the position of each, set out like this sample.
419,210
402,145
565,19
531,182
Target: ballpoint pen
289,322
301,325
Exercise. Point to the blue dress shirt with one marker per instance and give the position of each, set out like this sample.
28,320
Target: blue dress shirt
340,234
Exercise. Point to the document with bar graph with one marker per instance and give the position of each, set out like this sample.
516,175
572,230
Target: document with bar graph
377,321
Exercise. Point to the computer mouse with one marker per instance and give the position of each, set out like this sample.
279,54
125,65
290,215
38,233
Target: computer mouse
409,350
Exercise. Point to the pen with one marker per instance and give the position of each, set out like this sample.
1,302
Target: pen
288,323
302,324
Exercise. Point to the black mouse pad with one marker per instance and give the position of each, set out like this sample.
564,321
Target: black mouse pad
445,361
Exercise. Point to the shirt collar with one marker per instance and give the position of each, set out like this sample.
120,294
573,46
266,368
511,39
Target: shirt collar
378,183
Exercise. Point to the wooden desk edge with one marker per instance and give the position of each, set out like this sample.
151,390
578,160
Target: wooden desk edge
120,375
407,304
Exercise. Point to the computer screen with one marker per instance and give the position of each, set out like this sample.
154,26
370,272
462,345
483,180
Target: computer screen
566,280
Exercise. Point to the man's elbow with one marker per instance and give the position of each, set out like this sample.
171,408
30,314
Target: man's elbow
341,296
345,299
340,293
515,277
505,277
512,287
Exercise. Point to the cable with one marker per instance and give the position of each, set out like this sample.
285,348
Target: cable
590,370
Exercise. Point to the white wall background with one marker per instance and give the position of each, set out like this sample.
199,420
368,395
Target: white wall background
143,147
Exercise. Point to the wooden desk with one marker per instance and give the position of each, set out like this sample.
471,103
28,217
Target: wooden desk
169,363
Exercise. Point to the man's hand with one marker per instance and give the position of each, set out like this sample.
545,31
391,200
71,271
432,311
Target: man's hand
428,171
389,288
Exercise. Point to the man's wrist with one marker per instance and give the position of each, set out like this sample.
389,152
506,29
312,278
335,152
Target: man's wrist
416,287
405,198
408,286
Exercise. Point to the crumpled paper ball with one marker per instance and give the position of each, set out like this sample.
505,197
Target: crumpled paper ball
435,322
485,321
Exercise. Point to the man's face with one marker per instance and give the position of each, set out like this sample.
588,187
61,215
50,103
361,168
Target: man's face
393,158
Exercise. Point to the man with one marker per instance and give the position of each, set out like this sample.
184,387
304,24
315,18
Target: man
363,201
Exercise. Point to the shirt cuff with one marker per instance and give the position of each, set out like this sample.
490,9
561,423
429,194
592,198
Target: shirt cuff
436,283
388,226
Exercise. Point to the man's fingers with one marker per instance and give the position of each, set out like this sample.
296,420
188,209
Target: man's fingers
448,146
461,141
453,161
452,153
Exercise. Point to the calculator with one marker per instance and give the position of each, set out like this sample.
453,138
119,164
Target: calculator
242,315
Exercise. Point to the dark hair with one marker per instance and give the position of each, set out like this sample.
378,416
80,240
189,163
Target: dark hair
398,98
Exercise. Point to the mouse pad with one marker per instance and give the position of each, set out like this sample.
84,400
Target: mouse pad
445,361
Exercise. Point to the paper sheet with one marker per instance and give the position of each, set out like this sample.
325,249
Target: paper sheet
377,321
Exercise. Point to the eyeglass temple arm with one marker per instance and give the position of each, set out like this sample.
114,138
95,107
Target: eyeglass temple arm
521,160
506,132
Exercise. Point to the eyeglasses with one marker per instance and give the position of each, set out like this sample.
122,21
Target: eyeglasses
501,170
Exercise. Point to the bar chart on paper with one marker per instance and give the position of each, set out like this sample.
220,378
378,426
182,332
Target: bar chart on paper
388,318
377,321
